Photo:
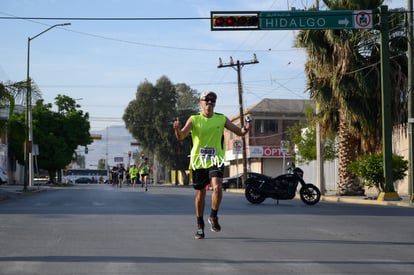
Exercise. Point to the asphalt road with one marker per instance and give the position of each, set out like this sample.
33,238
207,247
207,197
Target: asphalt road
99,229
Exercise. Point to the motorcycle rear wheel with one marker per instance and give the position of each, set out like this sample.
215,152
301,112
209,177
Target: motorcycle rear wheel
310,194
253,196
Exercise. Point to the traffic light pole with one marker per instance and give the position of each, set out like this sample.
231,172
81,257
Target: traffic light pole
304,20
389,192
239,65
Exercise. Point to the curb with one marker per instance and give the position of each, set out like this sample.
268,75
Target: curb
356,200
366,200
8,193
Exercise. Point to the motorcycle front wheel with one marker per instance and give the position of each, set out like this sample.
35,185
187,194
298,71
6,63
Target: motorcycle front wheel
253,196
310,194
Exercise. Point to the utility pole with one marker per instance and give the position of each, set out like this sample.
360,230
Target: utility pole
316,4
410,48
319,146
239,65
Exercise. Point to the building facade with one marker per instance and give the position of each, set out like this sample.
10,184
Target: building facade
267,143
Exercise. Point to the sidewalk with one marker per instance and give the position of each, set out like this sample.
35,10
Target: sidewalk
11,191
404,202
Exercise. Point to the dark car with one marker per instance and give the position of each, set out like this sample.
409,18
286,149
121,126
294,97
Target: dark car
231,182
83,180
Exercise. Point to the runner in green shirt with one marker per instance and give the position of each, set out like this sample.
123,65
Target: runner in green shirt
144,172
207,156
133,173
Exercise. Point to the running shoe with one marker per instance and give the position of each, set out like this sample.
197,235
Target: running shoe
199,233
215,227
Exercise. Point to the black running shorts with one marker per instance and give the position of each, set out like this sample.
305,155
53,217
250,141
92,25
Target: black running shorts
201,177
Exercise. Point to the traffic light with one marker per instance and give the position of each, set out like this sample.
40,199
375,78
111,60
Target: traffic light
234,21
86,149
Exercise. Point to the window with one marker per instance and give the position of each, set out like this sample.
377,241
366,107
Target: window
265,126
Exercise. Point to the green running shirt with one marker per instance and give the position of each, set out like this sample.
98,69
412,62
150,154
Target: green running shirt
208,141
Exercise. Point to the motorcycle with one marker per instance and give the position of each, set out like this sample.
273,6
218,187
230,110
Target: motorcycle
282,187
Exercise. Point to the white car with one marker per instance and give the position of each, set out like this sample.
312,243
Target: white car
3,176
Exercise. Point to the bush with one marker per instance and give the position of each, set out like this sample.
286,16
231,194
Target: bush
370,168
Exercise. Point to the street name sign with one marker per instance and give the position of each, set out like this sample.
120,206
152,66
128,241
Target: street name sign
308,20
291,20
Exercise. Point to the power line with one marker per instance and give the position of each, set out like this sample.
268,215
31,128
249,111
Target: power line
104,18
13,17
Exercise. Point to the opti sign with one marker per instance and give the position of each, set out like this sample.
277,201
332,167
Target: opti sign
266,152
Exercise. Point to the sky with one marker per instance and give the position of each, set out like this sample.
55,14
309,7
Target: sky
100,63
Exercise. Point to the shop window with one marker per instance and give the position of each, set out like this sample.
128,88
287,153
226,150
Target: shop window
266,126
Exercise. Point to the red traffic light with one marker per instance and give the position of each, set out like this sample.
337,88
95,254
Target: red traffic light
233,21
225,21
230,21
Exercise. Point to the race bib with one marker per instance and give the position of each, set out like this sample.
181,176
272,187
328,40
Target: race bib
207,153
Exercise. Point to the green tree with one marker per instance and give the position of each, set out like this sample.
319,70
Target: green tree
187,104
6,101
57,134
150,115
343,71
303,135
371,169
10,93
102,164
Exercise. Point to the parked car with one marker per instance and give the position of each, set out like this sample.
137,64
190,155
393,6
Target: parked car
83,180
40,180
3,176
231,182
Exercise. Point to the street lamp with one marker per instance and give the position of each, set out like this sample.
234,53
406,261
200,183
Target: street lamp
28,171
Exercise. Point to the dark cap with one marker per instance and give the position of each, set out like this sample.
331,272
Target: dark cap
206,94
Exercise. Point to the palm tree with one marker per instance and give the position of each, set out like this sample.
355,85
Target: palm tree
343,69
9,94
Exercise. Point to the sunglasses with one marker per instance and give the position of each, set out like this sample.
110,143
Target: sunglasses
212,100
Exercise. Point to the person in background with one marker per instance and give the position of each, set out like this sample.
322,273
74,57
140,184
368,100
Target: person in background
133,173
207,156
121,175
114,175
144,172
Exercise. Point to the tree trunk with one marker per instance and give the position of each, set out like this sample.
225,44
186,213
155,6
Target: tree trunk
348,183
52,175
59,176
185,177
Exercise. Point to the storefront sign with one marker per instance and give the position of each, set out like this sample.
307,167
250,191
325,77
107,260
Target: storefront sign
266,152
